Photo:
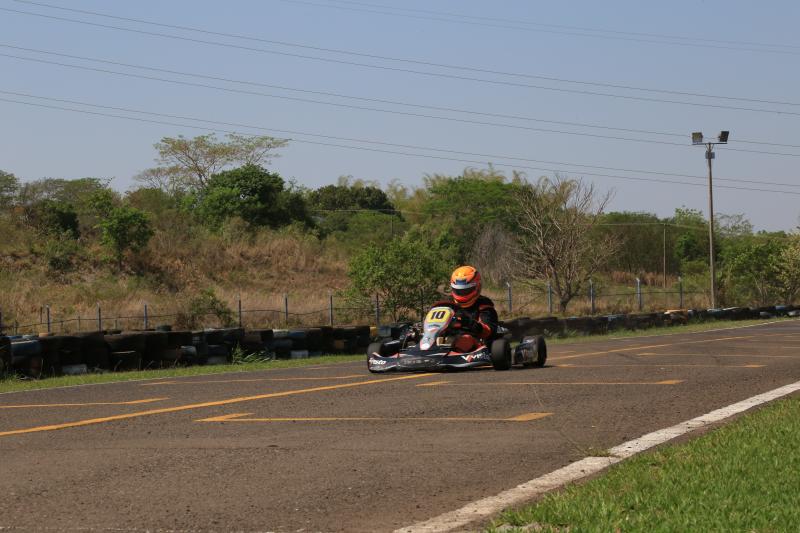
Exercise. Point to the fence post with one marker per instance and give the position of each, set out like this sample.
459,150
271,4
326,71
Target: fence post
49,325
99,318
591,294
330,308
286,308
377,311
639,293
510,299
680,291
79,321
146,317
549,298
239,302
1,321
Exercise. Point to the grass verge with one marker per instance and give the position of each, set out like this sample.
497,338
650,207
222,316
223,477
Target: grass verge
740,477
576,338
13,384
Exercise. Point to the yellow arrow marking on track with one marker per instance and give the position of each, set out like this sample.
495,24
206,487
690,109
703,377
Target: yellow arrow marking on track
239,417
90,404
179,408
507,383
644,365
250,380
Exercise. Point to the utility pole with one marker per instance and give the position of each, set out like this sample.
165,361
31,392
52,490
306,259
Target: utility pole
697,139
665,256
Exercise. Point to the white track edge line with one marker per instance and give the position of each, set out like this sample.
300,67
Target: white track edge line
486,507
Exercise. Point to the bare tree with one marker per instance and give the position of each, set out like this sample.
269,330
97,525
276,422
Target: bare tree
493,253
556,240
189,163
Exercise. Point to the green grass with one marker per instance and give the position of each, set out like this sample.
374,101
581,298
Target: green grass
576,338
12,384
741,477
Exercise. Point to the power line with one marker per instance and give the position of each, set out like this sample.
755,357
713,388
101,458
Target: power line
406,60
618,36
561,26
340,105
412,71
395,145
395,152
360,98
373,109
340,95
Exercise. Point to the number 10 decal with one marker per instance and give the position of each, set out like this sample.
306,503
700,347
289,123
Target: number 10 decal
439,315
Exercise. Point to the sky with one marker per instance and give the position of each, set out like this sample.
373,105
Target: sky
544,87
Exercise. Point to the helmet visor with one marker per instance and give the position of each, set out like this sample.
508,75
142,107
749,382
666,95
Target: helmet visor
465,291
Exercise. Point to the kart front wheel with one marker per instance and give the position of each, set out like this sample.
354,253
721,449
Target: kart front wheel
501,354
539,351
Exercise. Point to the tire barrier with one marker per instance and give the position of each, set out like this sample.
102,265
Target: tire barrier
79,353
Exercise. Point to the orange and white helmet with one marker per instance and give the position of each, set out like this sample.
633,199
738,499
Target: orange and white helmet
465,284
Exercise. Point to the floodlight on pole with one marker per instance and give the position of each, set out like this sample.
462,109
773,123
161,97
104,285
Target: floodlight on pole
697,139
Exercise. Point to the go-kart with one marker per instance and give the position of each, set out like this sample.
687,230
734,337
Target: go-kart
442,342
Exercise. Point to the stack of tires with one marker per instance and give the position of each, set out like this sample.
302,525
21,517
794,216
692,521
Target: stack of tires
259,343
26,356
5,353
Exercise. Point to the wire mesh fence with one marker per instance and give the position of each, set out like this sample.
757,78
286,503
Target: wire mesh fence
510,302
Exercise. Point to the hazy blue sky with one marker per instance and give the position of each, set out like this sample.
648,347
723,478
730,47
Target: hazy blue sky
37,142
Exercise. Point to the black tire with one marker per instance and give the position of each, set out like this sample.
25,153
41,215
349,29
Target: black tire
540,349
501,354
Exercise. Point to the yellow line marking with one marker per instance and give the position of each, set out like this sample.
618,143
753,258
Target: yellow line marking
568,365
250,380
712,355
433,383
633,348
126,416
505,383
42,405
239,417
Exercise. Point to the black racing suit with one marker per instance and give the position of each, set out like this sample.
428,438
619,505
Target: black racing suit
480,318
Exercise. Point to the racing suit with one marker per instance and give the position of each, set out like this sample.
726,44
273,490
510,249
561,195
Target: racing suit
480,319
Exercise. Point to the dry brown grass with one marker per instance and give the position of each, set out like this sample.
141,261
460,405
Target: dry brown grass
177,265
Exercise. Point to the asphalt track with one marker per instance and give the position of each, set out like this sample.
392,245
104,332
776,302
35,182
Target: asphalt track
334,448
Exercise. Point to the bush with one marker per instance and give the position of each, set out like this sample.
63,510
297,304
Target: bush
204,304
125,229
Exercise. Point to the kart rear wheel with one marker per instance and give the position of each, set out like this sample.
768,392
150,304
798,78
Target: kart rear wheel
539,350
501,354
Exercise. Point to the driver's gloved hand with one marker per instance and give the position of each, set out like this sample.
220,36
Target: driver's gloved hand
470,324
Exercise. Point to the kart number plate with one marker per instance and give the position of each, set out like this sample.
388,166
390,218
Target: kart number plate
439,315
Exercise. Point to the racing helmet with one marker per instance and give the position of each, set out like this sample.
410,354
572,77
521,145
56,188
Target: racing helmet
465,285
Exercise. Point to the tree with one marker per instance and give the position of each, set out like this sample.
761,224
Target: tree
258,196
464,205
53,218
641,237
789,269
8,189
125,229
337,207
556,238
404,273
751,271
187,164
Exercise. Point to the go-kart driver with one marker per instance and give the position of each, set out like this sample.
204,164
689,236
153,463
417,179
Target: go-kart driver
476,316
